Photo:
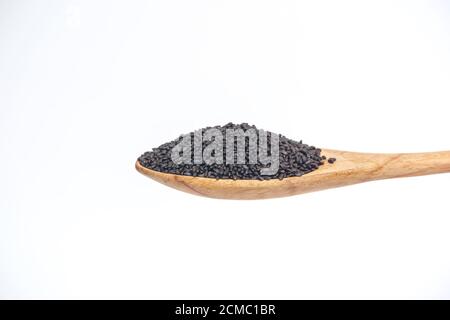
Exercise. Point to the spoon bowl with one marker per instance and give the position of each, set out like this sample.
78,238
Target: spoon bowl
349,168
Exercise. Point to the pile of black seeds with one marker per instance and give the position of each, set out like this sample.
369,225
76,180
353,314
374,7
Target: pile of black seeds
295,159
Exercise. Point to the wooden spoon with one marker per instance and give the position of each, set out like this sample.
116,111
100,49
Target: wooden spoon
349,168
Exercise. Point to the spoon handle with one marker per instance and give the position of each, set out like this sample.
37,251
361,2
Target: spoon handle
411,164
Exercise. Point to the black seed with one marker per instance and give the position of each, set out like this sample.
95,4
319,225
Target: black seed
296,159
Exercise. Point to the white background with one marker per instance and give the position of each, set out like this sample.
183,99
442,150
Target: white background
87,86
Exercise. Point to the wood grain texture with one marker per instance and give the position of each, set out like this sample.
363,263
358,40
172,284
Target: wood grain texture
350,168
